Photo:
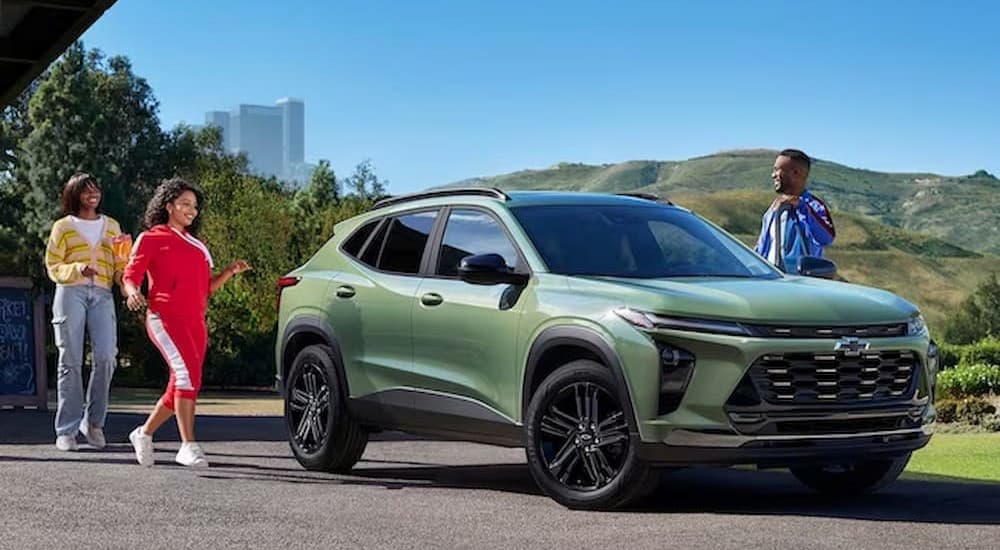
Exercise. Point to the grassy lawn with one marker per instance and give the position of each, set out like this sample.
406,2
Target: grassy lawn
962,456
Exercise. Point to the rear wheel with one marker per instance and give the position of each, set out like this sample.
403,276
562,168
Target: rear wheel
321,433
852,478
581,449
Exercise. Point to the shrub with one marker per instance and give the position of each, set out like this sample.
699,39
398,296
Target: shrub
946,410
949,355
991,422
986,352
973,410
968,381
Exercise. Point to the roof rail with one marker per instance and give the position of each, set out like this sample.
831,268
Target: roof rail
491,192
647,196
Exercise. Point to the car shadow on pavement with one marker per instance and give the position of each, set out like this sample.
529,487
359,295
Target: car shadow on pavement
30,427
749,492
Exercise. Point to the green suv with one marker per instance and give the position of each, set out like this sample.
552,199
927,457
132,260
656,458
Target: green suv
608,335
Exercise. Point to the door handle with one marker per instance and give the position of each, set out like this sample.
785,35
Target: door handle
345,291
431,299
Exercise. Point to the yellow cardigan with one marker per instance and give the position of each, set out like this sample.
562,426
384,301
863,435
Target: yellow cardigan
68,252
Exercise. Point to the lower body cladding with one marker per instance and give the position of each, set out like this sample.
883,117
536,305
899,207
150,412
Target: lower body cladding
690,448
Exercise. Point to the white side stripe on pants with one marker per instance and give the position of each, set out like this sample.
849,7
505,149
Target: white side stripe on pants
182,380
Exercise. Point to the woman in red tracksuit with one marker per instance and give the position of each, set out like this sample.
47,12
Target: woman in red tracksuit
179,267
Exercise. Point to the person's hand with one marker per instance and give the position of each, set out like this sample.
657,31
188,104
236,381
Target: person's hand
239,266
135,301
786,199
88,271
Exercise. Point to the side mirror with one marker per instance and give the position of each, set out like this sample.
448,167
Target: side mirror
489,269
812,266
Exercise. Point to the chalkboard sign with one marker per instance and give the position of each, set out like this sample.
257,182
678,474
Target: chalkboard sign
22,368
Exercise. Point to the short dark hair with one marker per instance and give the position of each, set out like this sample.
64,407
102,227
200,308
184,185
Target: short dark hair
75,186
167,192
797,155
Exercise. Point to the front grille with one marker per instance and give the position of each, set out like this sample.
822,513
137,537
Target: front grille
834,377
793,331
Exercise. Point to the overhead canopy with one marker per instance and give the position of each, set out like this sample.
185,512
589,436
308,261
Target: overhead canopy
33,33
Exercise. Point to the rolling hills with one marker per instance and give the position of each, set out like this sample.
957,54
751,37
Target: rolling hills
929,238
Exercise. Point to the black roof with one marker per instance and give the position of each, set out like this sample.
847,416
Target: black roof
33,33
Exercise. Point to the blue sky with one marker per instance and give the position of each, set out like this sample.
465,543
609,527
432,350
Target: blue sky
437,91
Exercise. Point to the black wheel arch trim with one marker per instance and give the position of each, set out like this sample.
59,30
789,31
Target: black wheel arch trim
317,326
585,338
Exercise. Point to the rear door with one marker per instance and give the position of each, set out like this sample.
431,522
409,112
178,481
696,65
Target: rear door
371,304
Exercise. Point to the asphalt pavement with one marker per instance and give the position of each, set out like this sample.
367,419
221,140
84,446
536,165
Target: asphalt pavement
417,493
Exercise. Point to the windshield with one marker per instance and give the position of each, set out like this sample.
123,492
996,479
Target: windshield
636,242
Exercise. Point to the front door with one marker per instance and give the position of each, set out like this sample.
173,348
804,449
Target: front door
465,335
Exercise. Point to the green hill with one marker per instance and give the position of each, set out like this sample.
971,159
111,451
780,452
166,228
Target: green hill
964,211
929,238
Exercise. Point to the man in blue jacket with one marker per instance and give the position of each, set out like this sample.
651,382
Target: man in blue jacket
798,222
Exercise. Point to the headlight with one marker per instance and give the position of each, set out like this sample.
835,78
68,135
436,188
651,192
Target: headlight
916,326
647,320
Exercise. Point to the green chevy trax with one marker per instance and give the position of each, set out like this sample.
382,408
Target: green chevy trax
611,336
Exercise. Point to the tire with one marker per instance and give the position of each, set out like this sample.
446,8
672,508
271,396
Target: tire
566,455
853,478
330,440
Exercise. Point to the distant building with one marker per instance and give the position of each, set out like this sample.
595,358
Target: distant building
272,137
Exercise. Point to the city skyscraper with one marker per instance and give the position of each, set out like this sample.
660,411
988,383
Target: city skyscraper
272,137
292,130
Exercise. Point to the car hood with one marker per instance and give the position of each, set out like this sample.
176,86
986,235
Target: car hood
791,299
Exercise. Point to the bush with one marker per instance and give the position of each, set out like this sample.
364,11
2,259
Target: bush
949,355
969,381
947,410
986,351
973,410
991,422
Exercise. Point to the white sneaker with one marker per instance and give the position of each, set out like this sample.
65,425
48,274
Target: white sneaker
66,443
191,455
95,436
143,445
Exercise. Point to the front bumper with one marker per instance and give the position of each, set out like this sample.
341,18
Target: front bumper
698,448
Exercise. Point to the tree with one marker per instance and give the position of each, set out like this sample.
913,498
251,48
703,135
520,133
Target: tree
95,115
365,183
979,315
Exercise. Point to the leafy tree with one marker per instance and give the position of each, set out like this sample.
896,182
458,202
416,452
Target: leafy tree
979,315
92,114
365,184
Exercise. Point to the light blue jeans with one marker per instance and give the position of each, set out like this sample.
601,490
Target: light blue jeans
73,309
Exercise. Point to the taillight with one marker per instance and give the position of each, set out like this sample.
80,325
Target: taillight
283,283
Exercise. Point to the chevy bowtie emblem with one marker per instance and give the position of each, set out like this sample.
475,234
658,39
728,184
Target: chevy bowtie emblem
851,346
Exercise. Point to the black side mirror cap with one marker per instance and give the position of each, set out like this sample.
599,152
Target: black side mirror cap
489,269
813,266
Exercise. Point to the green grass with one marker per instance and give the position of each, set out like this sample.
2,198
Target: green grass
958,456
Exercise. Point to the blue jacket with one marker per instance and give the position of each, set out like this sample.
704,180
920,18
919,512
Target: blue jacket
807,234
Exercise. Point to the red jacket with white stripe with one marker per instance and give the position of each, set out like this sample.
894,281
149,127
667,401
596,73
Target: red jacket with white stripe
179,267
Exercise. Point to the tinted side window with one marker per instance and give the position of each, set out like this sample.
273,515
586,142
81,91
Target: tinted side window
472,232
354,243
405,242
370,255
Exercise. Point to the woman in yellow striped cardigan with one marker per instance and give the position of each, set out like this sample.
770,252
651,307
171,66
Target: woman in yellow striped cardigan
79,258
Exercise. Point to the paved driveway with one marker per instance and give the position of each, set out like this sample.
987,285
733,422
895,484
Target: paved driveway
413,493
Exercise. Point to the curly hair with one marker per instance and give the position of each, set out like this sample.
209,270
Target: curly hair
75,186
167,192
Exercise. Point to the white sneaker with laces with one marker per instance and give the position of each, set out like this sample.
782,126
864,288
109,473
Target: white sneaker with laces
143,445
191,455
95,436
66,443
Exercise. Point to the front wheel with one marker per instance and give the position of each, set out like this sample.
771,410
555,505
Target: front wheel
580,448
321,433
852,478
